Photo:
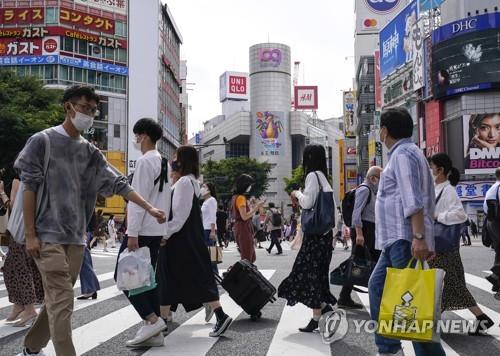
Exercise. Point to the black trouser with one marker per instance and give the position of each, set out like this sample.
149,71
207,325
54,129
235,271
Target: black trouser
369,235
220,237
466,236
494,233
146,303
275,240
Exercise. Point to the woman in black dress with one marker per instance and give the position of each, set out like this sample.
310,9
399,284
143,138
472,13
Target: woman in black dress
308,282
184,269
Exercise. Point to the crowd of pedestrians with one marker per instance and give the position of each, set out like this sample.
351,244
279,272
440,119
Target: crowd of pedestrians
179,221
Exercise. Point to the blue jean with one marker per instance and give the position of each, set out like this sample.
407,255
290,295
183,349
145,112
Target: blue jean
210,242
88,280
397,255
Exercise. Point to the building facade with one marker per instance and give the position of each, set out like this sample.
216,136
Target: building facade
155,79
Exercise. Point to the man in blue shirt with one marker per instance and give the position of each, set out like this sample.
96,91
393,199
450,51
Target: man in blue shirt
493,229
404,213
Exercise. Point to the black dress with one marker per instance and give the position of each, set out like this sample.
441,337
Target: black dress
184,269
308,282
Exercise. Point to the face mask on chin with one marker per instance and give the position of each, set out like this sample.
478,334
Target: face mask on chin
82,122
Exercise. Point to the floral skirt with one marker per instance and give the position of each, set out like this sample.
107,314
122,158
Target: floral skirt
308,282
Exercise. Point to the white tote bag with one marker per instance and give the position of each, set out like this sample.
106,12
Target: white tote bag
16,219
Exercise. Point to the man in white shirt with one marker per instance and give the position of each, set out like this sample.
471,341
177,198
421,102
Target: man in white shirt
493,229
151,181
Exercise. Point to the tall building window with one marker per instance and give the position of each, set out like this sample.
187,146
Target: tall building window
121,55
68,44
116,131
120,28
371,68
51,15
82,47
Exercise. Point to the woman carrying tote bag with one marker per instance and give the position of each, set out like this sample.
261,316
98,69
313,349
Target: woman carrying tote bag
449,219
308,281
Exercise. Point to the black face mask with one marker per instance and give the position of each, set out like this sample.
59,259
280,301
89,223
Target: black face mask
176,167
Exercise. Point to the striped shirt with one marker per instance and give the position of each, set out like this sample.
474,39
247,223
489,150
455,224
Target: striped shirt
406,187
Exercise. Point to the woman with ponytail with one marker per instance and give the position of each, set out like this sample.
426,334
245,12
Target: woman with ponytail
450,212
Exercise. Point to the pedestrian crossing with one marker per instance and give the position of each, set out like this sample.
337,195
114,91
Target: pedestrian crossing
190,337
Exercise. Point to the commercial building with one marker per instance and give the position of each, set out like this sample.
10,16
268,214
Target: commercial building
258,121
155,79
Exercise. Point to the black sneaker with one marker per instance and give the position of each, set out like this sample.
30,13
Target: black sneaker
313,325
221,326
484,322
349,304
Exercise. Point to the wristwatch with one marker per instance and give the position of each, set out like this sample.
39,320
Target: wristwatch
418,237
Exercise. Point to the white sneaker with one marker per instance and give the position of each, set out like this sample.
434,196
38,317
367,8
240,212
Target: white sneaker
155,341
147,332
25,353
399,353
209,313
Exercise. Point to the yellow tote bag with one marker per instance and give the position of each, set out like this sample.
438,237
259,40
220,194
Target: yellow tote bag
411,303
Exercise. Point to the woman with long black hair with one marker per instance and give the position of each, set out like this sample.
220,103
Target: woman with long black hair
184,267
308,282
449,211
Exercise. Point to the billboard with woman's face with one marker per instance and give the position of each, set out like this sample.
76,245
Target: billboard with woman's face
481,143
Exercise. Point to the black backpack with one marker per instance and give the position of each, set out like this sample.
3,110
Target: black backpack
348,204
276,218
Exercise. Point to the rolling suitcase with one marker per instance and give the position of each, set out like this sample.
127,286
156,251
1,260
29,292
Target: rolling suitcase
248,288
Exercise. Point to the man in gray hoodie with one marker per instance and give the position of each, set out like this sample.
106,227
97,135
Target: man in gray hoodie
55,234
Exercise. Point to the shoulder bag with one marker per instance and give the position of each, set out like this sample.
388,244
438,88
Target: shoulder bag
447,237
320,219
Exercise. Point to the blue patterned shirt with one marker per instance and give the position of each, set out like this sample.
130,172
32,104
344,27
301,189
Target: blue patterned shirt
406,187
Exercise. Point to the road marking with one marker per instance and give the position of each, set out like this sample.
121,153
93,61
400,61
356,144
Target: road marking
478,282
494,331
103,295
191,338
288,340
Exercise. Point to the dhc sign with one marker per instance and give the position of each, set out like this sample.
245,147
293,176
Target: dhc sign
465,25
382,6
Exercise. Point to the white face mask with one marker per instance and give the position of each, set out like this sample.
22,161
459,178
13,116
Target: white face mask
137,145
82,122
248,189
204,191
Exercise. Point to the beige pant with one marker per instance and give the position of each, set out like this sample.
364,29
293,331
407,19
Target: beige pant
59,267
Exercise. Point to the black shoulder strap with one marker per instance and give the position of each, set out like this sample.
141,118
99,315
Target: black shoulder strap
440,195
319,182
163,177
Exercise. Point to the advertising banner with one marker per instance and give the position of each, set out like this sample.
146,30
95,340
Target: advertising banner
473,191
15,47
83,20
378,91
351,151
28,60
468,25
97,66
22,16
466,63
418,55
270,57
234,85
396,47
433,114
428,67
341,170
117,6
306,97
348,105
426,5
373,15
270,139
481,143
351,177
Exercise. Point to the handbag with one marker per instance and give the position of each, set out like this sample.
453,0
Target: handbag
494,208
447,237
320,219
215,254
16,220
355,270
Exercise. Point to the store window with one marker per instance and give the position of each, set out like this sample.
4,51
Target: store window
64,74
78,75
103,109
116,129
92,77
109,53
121,55
120,29
82,47
50,72
68,44
51,15
98,135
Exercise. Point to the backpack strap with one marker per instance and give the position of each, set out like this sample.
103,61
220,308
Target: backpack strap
440,195
163,177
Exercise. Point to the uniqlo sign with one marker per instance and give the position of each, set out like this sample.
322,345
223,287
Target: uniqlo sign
237,84
234,86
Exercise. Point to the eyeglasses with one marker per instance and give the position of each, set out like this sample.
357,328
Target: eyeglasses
87,109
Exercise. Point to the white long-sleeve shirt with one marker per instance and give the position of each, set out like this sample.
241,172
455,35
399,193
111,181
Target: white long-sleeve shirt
139,222
308,197
209,213
491,194
449,209
182,202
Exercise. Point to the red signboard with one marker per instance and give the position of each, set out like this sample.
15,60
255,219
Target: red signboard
84,20
15,47
306,98
39,32
22,16
433,114
237,84
378,91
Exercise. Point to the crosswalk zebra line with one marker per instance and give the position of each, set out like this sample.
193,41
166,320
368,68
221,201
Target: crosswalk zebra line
288,340
494,331
191,338
103,295
478,282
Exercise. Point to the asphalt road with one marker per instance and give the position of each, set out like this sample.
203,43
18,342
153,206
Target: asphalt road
103,326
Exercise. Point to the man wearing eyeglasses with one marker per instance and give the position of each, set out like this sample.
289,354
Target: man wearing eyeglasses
55,234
